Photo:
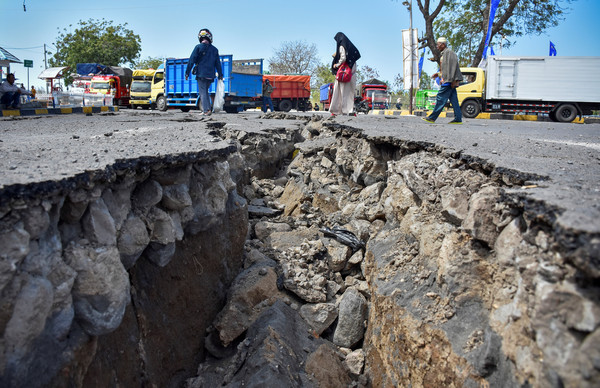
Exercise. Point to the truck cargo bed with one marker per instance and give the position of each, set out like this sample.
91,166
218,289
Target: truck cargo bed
572,79
181,92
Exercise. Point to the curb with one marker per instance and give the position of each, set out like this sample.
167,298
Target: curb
483,115
58,111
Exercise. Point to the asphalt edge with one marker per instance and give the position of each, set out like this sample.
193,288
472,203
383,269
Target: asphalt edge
483,115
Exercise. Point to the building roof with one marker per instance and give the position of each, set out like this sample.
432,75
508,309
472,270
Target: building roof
6,57
52,72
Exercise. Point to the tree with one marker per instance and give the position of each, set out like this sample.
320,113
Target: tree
398,85
296,57
149,63
321,75
96,41
366,72
425,81
465,23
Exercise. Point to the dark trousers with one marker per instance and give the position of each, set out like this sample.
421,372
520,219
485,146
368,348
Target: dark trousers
268,100
10,98
446,93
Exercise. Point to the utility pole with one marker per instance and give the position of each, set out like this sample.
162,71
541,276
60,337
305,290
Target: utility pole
409,6
45,63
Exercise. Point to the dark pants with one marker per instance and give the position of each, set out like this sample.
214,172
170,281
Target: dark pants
268,100
446,92
203,85
10,98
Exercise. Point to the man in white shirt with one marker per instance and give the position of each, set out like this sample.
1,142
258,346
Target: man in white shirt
10,94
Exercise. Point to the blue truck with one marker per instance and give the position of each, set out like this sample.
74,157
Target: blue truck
242,78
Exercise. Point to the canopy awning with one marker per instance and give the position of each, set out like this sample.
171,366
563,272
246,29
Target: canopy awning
52,72
7,58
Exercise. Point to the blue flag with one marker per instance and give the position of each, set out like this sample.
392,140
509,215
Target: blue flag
552,49
421,63
492,50
493,8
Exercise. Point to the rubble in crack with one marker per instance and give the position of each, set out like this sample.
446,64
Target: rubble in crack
453,285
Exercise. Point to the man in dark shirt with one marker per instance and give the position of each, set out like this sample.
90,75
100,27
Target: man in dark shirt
205,58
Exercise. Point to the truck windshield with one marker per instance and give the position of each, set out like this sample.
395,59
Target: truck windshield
141,86
379,95
371,92
100,85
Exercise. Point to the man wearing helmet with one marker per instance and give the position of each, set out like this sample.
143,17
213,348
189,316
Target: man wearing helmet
205,62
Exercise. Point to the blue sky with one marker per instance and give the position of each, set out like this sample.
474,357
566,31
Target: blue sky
255,29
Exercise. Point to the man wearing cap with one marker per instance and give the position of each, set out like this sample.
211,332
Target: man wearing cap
451,77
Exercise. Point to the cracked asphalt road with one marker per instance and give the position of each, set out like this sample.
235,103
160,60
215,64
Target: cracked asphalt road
45,148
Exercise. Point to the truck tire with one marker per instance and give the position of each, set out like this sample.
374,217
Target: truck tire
231,109
565,113
285,105
161,103
185,109
470,109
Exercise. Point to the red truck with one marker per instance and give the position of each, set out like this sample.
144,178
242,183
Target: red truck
372,94
117,84
290,91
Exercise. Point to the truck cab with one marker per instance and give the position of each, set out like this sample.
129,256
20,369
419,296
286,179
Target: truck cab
111,85
471,91
141,88
372,94
157,91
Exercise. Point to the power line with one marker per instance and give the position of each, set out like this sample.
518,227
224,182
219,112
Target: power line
22,48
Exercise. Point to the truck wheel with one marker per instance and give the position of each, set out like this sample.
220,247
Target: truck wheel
231,109
565,113
285,105
470,109
161,103
185,109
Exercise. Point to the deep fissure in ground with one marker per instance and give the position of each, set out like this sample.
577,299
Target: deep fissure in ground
214,270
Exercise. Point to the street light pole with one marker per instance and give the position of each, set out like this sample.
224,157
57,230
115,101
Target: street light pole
410,104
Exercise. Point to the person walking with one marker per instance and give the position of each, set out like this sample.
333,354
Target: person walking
450,79
342,99
266,94
205,62
10,94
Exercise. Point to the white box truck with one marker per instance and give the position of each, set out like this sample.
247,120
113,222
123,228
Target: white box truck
562,87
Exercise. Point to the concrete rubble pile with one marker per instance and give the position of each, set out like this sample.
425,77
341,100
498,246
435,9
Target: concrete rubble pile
459,284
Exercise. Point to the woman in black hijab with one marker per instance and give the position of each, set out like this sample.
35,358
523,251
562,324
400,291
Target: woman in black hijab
342,100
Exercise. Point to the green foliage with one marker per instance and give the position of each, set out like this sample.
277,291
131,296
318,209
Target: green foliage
148,63
425,82
465,23
322,75
96,41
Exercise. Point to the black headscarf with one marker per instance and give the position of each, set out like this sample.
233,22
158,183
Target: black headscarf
352,53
